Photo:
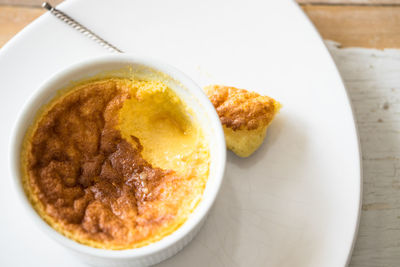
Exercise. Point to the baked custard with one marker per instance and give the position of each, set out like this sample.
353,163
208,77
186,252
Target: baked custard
115,163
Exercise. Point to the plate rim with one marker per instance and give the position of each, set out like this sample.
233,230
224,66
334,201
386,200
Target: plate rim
358,156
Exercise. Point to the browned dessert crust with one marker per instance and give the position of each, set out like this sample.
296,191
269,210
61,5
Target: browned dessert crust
241,109
244,115
93,182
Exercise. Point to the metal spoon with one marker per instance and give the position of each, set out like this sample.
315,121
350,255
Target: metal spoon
79,27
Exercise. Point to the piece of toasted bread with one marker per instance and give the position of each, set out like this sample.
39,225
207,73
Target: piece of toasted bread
244,115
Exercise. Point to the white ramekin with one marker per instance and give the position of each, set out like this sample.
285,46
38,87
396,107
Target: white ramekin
189,93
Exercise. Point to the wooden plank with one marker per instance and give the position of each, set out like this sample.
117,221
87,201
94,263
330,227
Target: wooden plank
373,82
14,19
359,26
350,2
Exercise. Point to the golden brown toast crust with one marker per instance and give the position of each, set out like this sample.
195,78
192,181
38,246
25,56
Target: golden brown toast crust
240,109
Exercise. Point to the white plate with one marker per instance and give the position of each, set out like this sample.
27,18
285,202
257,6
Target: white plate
295,202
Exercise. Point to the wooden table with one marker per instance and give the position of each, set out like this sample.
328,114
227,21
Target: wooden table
372,77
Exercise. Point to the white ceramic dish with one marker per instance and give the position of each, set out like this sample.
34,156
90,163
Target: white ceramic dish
204,113
295,202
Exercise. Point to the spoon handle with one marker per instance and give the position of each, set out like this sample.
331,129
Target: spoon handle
79,27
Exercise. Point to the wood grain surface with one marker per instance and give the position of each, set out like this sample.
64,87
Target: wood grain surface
373,83
351,2
357,26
